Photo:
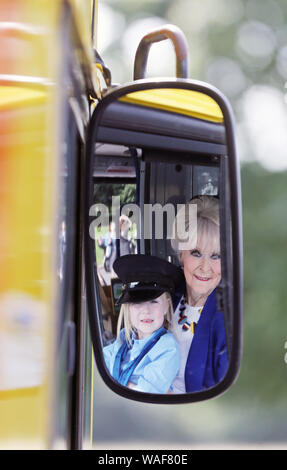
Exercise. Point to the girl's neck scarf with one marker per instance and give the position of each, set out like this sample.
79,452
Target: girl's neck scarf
123,376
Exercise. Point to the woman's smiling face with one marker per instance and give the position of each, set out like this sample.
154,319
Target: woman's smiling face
202,268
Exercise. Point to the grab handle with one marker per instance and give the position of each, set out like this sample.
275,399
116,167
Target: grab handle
162,33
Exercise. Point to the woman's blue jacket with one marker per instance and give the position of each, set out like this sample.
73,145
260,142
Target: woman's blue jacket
207,359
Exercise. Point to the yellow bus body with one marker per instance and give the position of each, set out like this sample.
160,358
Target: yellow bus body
30,61
29,67
189,103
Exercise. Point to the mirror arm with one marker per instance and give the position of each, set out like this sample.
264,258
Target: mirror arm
103,68
162,33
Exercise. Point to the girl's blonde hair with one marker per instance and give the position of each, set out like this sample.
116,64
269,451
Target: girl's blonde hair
124,320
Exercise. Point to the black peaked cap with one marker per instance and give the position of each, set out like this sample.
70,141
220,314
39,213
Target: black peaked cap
146,277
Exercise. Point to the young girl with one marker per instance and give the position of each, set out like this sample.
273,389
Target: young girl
145,355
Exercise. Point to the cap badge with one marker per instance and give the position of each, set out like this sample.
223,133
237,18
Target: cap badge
133,284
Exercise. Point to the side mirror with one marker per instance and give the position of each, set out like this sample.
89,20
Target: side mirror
154,146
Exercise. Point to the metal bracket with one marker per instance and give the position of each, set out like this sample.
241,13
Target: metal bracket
162,33
103,68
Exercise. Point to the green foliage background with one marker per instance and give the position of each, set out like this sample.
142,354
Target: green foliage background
254,409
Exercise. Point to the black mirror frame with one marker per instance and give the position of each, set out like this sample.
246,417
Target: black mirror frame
236,216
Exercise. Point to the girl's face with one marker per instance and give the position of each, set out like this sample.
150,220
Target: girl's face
147,317
202,268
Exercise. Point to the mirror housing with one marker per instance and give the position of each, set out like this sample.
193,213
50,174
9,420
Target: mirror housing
230,290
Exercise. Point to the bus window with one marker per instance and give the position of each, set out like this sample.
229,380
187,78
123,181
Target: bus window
115,191
115,234
205,180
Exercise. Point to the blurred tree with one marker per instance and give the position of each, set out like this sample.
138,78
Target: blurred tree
105,192
237,45
265,259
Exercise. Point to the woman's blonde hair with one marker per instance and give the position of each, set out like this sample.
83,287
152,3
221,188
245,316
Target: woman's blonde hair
124,320
207,222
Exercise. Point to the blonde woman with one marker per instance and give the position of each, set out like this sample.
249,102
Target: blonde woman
145,355
197,323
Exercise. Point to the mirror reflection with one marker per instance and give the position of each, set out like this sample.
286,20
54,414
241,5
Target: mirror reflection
162,241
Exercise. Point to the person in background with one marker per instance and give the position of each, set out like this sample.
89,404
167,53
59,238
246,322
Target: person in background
127,246
108,244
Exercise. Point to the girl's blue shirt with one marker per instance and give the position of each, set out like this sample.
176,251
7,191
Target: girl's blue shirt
157,369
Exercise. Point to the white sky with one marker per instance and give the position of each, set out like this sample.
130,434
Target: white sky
261,113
